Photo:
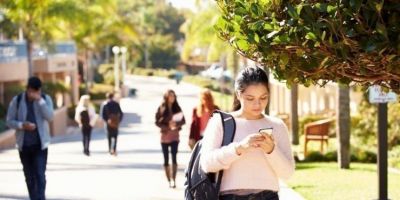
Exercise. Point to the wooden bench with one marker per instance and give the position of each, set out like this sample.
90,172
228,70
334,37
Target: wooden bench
318,131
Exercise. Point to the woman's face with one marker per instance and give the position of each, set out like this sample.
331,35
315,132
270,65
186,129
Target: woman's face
171,97
254,99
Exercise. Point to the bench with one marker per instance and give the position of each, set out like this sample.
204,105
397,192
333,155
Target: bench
317,131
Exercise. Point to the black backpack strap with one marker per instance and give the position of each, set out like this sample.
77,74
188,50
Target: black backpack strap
19,97
229,129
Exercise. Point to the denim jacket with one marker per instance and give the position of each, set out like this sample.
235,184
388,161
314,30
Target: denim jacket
44,113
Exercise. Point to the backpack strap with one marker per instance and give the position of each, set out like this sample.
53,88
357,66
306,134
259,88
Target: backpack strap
19,97
229,129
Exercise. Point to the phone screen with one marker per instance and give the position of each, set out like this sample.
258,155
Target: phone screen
266,131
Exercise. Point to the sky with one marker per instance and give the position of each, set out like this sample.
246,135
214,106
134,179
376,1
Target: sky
183,3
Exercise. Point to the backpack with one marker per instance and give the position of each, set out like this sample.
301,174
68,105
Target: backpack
113,120
200,185
85,119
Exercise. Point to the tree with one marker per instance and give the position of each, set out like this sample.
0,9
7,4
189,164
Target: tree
314,42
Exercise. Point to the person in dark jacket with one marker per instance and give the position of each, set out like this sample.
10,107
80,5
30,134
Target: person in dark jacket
29,113
112,115
201,114
170,119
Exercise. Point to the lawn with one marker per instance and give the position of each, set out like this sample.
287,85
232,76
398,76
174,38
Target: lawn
324,181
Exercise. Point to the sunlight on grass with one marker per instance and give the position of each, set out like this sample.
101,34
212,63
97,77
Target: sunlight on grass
325,181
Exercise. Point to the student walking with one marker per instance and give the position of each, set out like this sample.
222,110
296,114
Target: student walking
255,160
85,116
170,119
29,113
112,115
201,114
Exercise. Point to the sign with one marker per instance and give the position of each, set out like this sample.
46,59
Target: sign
376,95
12,51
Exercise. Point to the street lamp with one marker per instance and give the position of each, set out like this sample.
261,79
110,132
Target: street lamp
116,50
123,57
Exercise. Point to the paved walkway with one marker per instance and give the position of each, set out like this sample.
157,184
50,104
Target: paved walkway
136,173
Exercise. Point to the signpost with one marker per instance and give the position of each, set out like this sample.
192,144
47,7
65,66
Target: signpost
376,95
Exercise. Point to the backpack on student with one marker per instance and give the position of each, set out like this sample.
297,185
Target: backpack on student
113,120
200,185
85,119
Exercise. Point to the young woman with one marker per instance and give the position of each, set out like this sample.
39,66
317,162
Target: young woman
253,162
169,118
201,114
85,116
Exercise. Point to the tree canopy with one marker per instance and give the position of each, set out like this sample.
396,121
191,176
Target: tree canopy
317,41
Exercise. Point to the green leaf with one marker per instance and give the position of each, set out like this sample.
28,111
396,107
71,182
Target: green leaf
292,12
381,29
355,4
379,6
311,36
299,8
323,35
322,7
268,27
242,45
221,23
255,9
256,38
331,9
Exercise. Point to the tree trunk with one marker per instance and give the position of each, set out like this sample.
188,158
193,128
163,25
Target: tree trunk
29,47
294,117
343,126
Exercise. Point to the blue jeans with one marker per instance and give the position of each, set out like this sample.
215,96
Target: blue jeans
34,161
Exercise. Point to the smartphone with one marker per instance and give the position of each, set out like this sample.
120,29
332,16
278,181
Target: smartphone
265,131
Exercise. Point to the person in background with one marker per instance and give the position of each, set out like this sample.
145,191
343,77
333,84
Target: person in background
85,116
112,115
255,161
201,114
170,119
29,113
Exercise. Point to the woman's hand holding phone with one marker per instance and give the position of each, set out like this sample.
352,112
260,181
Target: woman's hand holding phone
268,144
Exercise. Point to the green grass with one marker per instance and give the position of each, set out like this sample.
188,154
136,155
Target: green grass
325,181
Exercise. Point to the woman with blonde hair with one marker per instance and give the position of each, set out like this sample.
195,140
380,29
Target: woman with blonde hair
201,114
85,116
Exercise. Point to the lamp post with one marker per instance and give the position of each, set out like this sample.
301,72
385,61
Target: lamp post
116,50
123,58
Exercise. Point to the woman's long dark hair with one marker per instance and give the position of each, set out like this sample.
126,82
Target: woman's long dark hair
248,76
175,106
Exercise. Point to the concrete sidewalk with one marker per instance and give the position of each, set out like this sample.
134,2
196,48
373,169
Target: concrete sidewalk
136,173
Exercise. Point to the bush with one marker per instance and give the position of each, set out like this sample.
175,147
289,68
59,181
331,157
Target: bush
106,74
3,125
99,91
71,112
11,91
364,128
52,89
3,111
357,155
394,157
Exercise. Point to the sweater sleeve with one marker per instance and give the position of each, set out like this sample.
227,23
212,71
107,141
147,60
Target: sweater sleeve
213,156
281,158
